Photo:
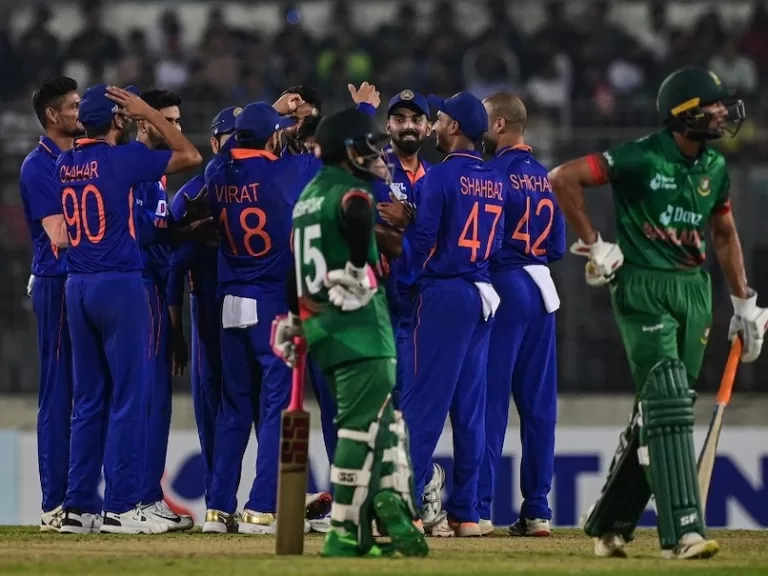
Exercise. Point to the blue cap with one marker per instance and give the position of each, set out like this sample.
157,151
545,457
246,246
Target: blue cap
224,121
96,110
409,99
260,119
466,109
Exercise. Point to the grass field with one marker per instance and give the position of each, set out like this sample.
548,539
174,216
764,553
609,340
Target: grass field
26,551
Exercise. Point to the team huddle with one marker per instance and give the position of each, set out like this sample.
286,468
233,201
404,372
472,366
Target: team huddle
423,293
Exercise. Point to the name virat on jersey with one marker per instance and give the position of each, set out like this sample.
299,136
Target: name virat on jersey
232,194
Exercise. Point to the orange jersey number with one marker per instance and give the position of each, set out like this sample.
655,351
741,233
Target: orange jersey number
76,214
469,239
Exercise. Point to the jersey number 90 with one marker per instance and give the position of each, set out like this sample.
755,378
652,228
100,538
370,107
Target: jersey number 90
305,253
76,205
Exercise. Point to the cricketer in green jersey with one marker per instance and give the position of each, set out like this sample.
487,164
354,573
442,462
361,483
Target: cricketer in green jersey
343,316
667,187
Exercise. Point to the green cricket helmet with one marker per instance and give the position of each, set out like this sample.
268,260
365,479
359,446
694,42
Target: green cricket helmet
683,96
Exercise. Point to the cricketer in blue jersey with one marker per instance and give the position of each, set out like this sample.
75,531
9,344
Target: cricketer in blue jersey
522,352
155,230
458,228
55,103
107,308
408,126
197,261
252,197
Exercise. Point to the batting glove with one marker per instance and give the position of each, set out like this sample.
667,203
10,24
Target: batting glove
351,288
605,258
749,322
284,329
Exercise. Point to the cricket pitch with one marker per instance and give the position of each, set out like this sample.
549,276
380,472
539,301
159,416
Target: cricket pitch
24,550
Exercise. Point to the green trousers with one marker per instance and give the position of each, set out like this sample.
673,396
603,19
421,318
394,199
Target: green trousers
662,314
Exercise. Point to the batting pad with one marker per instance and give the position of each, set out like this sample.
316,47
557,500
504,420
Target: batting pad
626,492
667,452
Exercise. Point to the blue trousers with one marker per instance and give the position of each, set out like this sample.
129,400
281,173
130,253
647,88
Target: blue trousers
245,352
206,375
110,327
448,379
158,395
54,404
327,407
521,359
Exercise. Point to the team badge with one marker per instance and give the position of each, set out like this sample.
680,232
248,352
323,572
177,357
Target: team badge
705,338
406,95
703,188
237,111
715,78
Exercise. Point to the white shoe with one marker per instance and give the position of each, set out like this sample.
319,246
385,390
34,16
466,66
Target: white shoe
95,520
486,527
535,527
431,502
160,512
218,522
448,528
253,522
76,522
610,545
51,521
321,525
131,522
692,546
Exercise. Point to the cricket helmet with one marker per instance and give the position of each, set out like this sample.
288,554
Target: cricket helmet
681,100
353,136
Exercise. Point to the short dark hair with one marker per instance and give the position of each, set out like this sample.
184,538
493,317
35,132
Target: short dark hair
49,95
245,139
160,99
98,131
309,94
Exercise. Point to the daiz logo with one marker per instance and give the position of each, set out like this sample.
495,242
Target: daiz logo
676,215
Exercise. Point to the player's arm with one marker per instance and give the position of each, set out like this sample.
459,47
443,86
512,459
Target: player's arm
568,182
183,155
727,245
389,240
45,202
422,234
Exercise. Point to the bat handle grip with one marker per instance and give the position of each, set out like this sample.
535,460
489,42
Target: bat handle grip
297,387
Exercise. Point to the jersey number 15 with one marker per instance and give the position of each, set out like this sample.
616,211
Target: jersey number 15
307,254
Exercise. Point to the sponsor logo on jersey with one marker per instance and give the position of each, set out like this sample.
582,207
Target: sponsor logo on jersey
704,339
703,188
398,189
608,158
308,206
162,208
675,215
661,182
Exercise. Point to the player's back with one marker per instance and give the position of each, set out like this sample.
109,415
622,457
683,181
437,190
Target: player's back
97,202
252,197
534,225
471,226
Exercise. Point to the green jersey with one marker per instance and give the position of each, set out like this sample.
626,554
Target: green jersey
334,337
663,200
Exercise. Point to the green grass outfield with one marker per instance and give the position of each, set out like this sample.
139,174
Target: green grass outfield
24,550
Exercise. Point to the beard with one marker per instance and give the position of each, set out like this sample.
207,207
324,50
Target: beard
489,146
410,146
440,145
76,132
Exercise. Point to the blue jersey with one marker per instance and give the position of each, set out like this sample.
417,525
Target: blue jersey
41,196
252,198
459,224
197,259
153,224
534,224
97,181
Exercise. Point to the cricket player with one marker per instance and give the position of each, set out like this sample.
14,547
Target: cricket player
252,197
666,187
345,320
521,354
198,259
154,229
55,103
458,228
107,307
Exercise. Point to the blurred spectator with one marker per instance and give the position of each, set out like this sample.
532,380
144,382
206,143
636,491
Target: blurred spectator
136,66
550,86
94,47
754,43
171,71
343,53
657,37
708,37
293,28
501,24
9,63
40,45
221,67
736,71
491,67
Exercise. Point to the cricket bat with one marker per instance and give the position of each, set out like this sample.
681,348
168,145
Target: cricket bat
294,455
709,451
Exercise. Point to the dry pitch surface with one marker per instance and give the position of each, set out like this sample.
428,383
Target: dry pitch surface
23,550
